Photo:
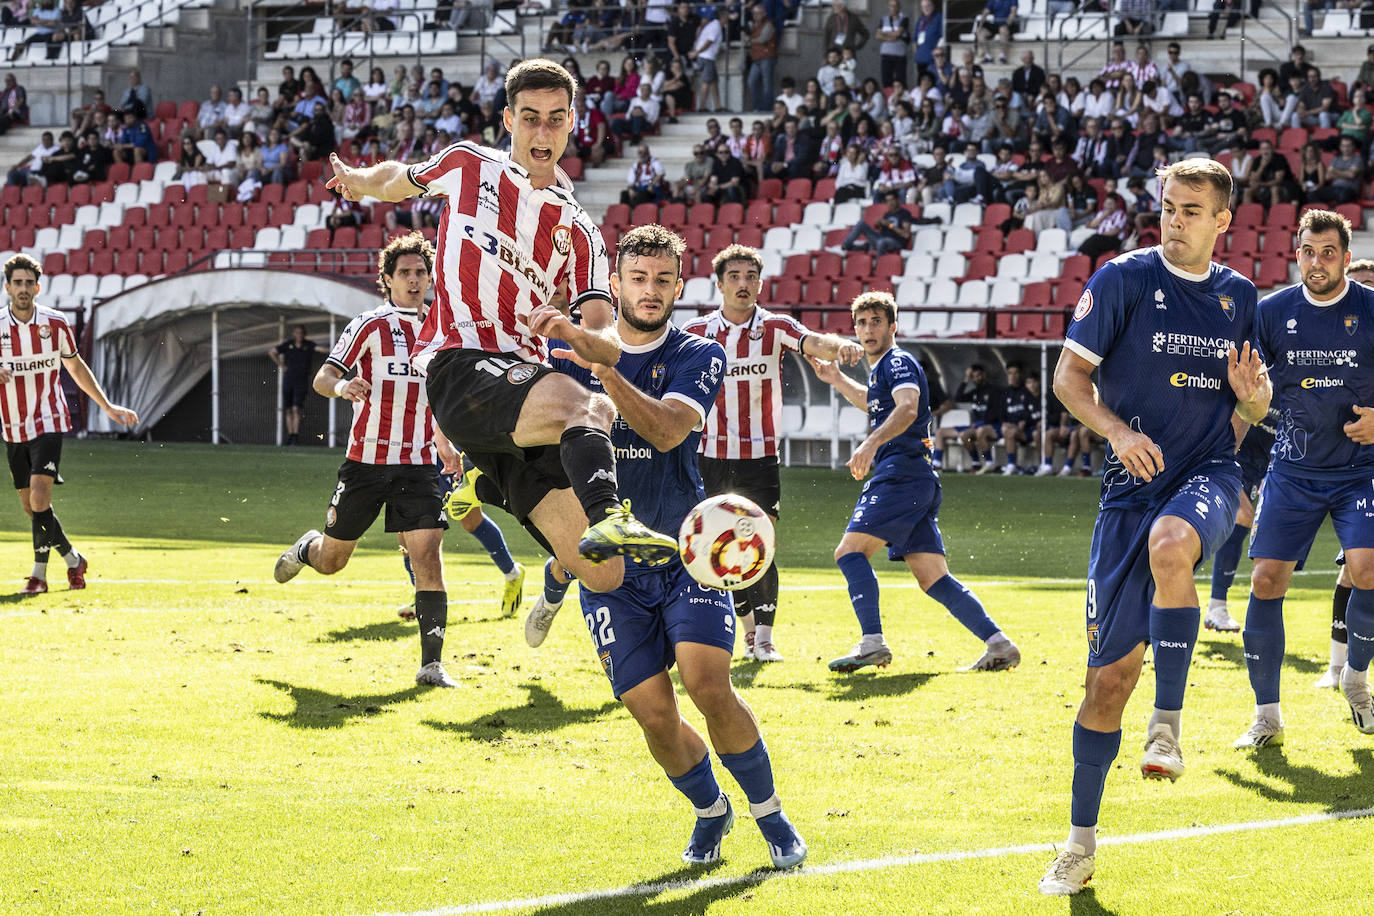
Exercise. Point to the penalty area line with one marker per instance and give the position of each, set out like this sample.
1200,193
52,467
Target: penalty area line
887,862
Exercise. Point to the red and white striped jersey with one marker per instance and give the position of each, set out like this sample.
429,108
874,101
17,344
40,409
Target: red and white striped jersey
504,249
33,402
749,406
393,424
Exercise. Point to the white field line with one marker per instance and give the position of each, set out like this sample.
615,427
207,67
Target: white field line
881,864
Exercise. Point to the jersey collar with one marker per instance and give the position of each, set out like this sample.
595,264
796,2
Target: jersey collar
1180,272
649,347
1330,302
411,313
753,319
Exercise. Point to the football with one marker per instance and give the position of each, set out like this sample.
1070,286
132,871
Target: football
726,542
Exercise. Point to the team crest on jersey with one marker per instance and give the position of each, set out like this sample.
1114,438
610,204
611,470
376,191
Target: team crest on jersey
1351,323
756,334
1228,307
657,371
562,239
329,517
1094,640
606,664
45,332
519,375
1085,305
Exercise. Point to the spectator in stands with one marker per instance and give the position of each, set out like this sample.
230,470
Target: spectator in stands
1231,122
1316,102
1080,203
448,122
1006,130
758,153
236,113
890,232
61,165
86,116
138,96
851,181
763,57
696,175
1053,123
14,104
682,31
488,84
1365,78
975,393
15,13
1091,150
248,161
714,137
377,16
95,158
310,96
428,107
969,180
645,179
221,159
46,23
793,152
1060,165
1171,71
1140,160
641,118
589,139
1109,230
110,130
136,143
928,35
1029,77
1194,129
1296,65
212,113
829,75
894,33
998,20
32,164
728,181
626,85
74,26
190,163
1045,211
346,82
1130,101
1115,67
406,147
1136,17
1231,9
704,53
315,138
897,176
357,115
843,30
829,152
1344,176
1356,121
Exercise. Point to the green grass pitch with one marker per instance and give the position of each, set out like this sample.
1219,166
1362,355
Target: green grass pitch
187,736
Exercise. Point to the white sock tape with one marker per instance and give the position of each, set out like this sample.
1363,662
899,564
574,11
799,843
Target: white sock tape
770,805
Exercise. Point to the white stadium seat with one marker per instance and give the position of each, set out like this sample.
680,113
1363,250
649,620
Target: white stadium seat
772,263
1052,241
1044,267
87,215
807,238
817,213
778,238
1004,293
60,285
109,285
268,239
164,171
699,291
906,322
950,265
967,214
910,291
846,214
292,238
919,266
307,216
46,239
942,292
932,324
929,239
940,208
85,286
1011,267
960,238
964,323
973,293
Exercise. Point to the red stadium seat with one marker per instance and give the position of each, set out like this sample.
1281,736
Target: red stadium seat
829,265
1019,241
751,236
62,214
345,237
177,260
672,215
165,109
980,267
799,265
32,195
770,189
729,214
271,194
145,239
787,291
990,241
188,110
798,189
242,237
703,214
888,266
126,262
573,167
759,213
370,236
317,238
787,213
183,216
1273,272
102,193
258,215
174,194
312,170
1249,215
824,190
857,264
24,237
1037,295
102,262
1244,240
839,321
644,213
94,240
11,195
118,238
142,171
217,238
848,288
199,194
55,194
230,215
719,237
1354,213
695,237
54,263
1075,272
119,173
994,215
297,193
159,216
79,261
817,291
617,215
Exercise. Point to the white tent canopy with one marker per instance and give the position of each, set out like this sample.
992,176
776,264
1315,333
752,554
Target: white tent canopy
153,344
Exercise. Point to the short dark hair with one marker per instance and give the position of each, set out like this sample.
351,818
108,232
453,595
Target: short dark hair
874,301
535,74
1323,220
1361,264
650,239
1017,365
736,252
1200,173
412,243
22,262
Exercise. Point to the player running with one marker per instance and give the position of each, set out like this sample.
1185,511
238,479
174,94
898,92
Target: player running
1319,339
512,237
35,344
739,446
900,506
664,385
392,447
1161,327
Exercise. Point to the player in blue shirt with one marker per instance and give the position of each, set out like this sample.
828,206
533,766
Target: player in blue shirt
1318,337
663,385
899,508
1167,332
1253,458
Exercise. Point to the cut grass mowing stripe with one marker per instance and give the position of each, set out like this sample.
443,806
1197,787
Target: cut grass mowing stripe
862,865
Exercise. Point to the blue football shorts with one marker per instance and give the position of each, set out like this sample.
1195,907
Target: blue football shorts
1292,509
636,627
1120,584
902,511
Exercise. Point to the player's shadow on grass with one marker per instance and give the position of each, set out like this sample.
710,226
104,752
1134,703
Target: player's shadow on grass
643,899
1234,652
871,686
390,629
542,712
1085,903
1307,785
321,709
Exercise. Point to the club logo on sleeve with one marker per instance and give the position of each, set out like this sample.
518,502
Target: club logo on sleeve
1351,323
1228,307
1085,305
330,516
519,375
562,239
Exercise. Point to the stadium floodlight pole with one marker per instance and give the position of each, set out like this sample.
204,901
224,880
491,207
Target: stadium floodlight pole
214,376
281,373
333,335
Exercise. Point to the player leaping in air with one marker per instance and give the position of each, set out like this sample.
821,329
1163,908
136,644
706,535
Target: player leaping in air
511,238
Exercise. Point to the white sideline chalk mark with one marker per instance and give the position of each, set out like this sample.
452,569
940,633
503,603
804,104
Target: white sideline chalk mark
863,865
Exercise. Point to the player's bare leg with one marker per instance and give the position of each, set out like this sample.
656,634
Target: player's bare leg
425,547
932,574
560,519
559,411
36,500
1174,617
322,553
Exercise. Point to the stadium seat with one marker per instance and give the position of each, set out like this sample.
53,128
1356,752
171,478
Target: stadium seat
750,236
918,265
729,214
928,238
778,238
989,242
857,264
770,189
270,194
292,238
1019,241
56,193
144,239
54,263
950,266
142,171
242,237
703,214
932,324
981,266
965,324
69,236
1052,243
817,291
787,213
787,291
58,283
118,238
994,215
817,213
109,285
216,238
1012,267
973,293
942,291
798,189
967,214
959,238
887,266
643,214
370,236
838,320
910,292
45,239
672,215
118,173
800,266
847,288
695,239
824,190
317,239
1004,292
699,291
721,237
942,210
845,215
1042,267
126,261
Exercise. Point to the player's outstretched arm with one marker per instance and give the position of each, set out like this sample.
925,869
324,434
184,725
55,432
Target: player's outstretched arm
329,383
595,340
907,409
663,424
832,347
385,181
829,372
448,454
81,374
1073,385
1249,379
1361,429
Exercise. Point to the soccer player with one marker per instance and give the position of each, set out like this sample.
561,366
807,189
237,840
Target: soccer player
36,343
392,447
739,446
1161,327
900,506
1319,339
512,237
293,358
664,385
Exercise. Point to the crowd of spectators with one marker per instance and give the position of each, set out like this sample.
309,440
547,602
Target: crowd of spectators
51,22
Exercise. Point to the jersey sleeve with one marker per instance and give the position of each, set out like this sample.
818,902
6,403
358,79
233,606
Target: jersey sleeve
697,378
791,333
350,345
1261,337
901,371
1097,319
438,175
587,271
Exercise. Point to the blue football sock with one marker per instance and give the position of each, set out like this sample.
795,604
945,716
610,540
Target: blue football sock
1225,562
1173,633
1087,461
964,605
410,570
863,591
491,539
698,784
1093,753
553,589
937,455
753,771
1359,629
987,457
1263,639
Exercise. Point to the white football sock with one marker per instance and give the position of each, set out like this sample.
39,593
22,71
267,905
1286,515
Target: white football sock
763,633
1172,717
1085,837
73,559
1337,654
40,571
1269,711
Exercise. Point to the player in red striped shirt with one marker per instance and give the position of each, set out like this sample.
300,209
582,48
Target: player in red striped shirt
511,240
739,445
391,448
35,344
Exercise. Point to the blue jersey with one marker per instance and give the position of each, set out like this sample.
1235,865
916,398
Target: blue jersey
1159,339
907,453
1321,362
662,486
1254,450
